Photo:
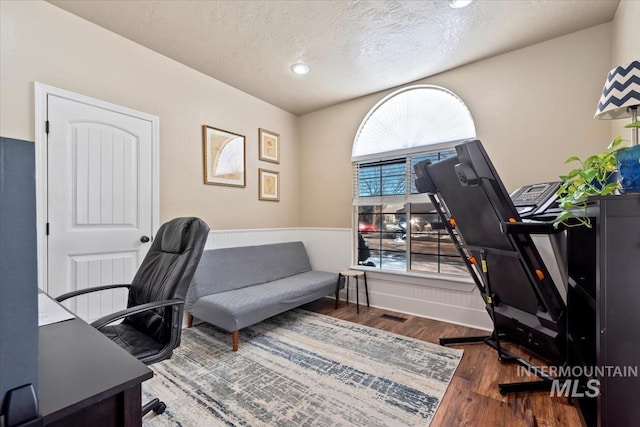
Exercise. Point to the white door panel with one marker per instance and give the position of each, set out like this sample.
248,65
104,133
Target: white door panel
100,201
104,176
87,271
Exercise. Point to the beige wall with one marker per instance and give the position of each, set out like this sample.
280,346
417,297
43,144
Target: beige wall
40,42
625,48
532,108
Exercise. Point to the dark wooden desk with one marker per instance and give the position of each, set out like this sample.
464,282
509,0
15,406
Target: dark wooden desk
86,379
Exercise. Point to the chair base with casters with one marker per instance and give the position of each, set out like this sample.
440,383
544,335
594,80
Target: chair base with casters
152,322
155,405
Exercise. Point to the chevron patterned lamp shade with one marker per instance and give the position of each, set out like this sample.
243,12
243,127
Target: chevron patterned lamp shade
620,99
621,91
621,96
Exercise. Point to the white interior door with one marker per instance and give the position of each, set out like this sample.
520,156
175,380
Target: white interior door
100,201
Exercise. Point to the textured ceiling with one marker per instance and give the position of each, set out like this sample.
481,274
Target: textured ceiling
354,48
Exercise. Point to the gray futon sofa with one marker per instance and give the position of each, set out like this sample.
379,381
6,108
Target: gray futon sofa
240,286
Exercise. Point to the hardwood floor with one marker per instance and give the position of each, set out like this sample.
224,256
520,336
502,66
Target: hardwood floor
472,398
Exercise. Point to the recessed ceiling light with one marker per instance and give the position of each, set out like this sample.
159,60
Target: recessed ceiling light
459,4
300,68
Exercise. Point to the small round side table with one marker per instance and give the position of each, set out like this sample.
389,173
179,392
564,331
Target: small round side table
355,273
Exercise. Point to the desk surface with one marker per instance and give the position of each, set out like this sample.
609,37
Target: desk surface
79,367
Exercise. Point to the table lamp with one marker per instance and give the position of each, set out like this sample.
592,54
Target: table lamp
621,99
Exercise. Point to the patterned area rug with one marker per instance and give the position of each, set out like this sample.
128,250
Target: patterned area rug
301,369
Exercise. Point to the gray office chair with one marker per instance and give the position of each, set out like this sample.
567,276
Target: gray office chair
153,318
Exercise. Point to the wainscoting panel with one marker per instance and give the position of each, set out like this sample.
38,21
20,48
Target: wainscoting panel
329,249
458,303
232,238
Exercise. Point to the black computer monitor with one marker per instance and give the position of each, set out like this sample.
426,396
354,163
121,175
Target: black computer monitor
527,306
19,374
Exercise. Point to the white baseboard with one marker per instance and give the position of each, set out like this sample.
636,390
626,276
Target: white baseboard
458,315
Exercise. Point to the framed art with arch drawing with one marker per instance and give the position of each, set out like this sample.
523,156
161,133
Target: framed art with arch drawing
223,157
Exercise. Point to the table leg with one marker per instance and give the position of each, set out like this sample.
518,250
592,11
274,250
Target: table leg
132,406
357,297
366,289
346,284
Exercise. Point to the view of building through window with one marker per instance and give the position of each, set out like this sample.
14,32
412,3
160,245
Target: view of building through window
394,222
399,237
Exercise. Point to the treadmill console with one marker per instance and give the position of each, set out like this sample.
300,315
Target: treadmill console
535,198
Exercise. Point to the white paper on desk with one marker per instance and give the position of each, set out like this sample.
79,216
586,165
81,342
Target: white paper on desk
49,311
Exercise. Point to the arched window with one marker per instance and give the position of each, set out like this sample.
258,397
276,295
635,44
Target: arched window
393,221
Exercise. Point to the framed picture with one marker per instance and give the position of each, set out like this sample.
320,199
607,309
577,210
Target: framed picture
269,146
268,185
224,157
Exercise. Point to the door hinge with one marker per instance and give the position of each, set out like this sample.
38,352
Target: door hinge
47,229
46,127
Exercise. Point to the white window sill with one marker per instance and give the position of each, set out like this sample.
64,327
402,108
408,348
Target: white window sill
434,280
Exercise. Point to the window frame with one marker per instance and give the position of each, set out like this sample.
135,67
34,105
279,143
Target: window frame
408,150
407,200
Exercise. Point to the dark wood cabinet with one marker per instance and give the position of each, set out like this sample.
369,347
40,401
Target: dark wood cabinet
604,307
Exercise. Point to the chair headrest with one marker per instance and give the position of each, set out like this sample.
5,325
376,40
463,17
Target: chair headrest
174,235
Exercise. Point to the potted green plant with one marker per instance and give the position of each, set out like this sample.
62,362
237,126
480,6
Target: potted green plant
596,176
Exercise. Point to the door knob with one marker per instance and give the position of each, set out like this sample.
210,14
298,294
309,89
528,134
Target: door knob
144,239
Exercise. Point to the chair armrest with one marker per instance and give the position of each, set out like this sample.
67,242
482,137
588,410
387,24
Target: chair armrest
110,318
530,228
88,290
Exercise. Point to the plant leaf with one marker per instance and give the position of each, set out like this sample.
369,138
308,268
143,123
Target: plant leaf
616,141
572,173
572,159
563,216
609,188
589,174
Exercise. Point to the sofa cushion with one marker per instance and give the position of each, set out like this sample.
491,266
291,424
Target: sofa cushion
226,269
235,309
